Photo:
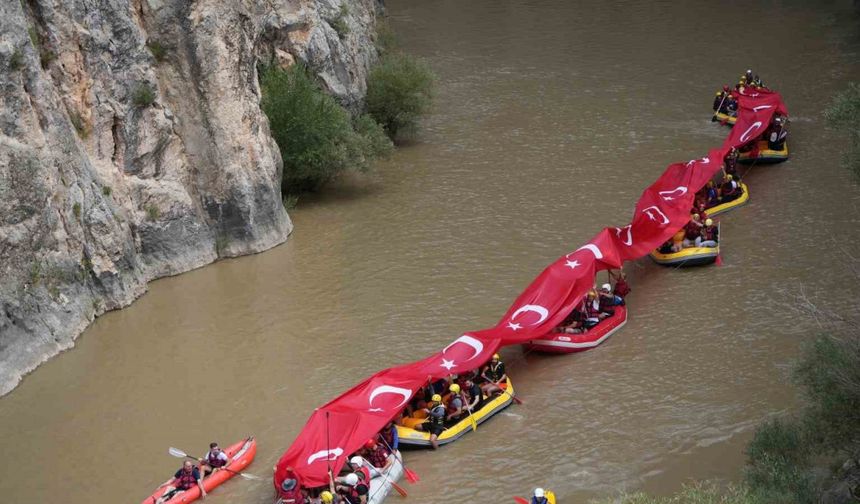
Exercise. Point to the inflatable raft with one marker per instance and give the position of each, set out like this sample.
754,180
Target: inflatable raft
241,454
762,154
724,118
380,484
413,437
568,343
693,256
743,199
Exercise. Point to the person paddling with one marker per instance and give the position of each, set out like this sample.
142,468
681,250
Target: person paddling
494,375
435,422
214,460
539,496
183,480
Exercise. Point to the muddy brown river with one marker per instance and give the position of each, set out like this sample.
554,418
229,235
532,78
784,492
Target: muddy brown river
550,118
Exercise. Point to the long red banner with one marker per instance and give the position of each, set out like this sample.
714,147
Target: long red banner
340,427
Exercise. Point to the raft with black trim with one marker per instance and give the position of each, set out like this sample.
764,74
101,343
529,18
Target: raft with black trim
413,437
241,454
381,484
692,256
724,118
555,342
765,154
741,200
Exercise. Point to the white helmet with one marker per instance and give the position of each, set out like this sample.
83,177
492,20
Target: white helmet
538,492
606,287
356,461
351,479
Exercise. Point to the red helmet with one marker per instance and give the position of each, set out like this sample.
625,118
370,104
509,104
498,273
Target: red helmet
370,444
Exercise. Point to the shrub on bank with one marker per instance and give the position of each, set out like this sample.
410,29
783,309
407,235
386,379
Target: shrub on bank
316,136
399,92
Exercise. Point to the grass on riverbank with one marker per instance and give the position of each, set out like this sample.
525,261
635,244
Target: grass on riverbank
844,114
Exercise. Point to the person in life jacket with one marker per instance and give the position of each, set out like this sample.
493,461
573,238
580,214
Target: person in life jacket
214,460
719,100
732,105
709,235
540,496
692,230
290,491
350,489
730,163
729,189
389,436
494,375
473,394
608,300
456,406
748,76
777,135
435,421
622,288
358,466
183,480
378,457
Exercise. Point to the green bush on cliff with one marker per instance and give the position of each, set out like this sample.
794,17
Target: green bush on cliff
316,136
844,113
399,92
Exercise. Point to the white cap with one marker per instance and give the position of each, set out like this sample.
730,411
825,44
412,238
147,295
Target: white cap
606,287
356,461
538,492
351,479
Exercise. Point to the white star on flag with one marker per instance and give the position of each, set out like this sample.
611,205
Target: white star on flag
514,326
572,264
447,364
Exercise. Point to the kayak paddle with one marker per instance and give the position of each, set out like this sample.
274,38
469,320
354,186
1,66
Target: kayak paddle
181,454
411,476
521,500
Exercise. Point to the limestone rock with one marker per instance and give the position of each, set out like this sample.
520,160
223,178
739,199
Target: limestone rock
132,146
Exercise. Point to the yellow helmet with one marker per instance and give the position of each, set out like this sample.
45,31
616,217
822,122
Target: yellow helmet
454,388
709,222
719,93
729,177
436,398
497,356
326,497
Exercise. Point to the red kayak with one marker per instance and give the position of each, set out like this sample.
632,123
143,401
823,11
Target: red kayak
568,343
241,454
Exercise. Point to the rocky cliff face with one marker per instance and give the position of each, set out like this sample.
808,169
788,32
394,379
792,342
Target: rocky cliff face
132,146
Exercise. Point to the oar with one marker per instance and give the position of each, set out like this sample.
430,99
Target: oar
400,489
521,500
716,112
181,454
472,418
410,475
515,398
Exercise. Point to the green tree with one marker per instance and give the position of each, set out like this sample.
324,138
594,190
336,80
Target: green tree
316,136
399,92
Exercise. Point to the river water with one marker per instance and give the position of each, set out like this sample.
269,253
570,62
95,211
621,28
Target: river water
550,119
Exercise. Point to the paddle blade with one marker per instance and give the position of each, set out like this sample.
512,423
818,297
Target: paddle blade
411,476
400,489
520,500
719,261
474,423
252,477
176,452
517,399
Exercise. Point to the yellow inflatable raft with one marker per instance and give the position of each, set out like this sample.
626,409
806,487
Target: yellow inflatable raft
693,256
724,118
413,437
765,155
725,207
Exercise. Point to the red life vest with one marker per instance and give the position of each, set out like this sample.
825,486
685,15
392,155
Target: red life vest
621,288
213,460
366,473
709,233
186,480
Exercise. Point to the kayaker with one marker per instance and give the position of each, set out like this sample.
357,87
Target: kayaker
435,422
214,460
709,236
183,480
494,375
539,496
455,405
